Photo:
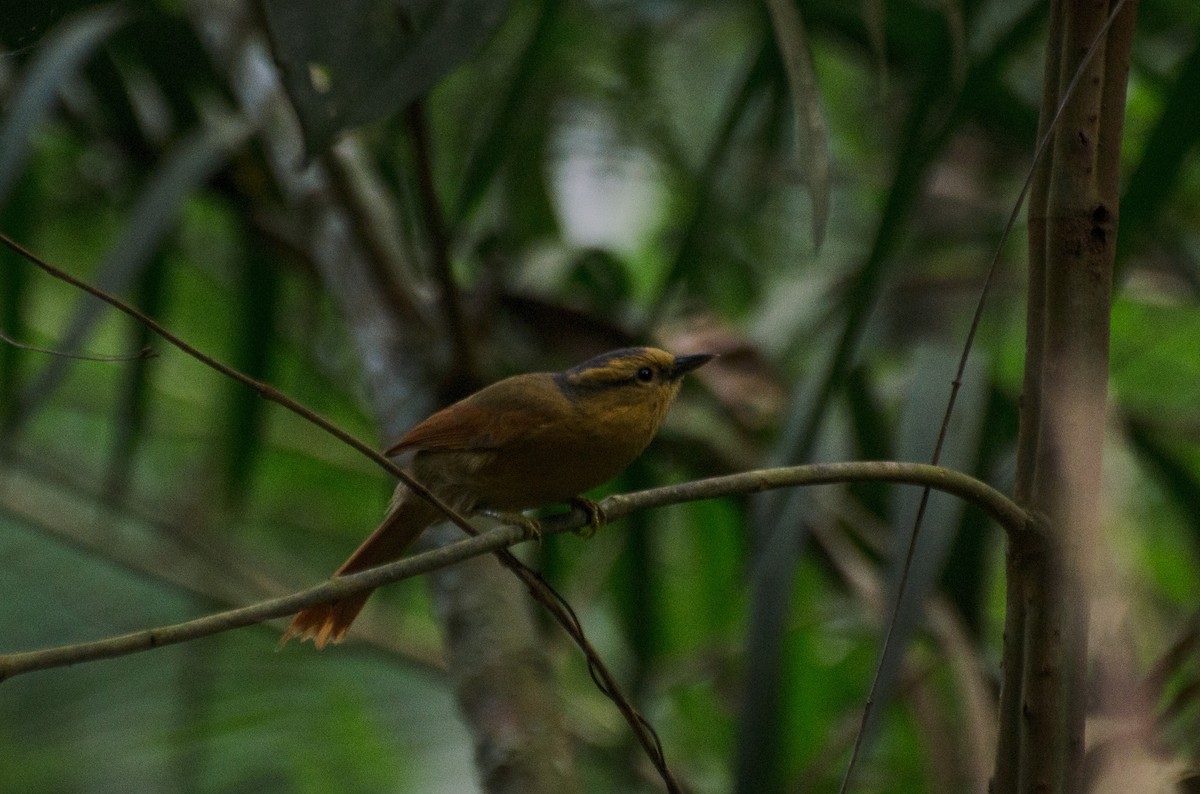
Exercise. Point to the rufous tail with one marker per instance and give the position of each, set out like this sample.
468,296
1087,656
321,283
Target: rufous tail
327,623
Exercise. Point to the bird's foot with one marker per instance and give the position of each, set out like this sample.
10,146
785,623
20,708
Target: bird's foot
531,526
595,516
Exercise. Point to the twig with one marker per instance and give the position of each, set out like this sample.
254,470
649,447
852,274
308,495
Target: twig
439,241
538,588
995,504
1002,509
339,587
145,352
956,384
264,390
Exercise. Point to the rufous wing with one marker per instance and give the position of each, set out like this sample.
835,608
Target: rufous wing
490,419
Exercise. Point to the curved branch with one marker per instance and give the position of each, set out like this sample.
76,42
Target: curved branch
1005,512
14,664
537,587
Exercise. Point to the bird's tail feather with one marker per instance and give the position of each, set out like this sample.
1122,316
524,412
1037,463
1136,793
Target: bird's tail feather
325,623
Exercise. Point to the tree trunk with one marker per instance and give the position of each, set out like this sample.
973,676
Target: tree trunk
496,655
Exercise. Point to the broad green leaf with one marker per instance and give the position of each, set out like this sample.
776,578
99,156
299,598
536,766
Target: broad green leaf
347,63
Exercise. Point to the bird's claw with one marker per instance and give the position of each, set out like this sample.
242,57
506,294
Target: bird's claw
531,526
595,516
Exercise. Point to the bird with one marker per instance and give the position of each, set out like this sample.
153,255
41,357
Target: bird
525,441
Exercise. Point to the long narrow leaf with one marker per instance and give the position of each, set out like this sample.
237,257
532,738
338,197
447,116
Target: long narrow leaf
919,425
154,216
59,58
812,134
1170,142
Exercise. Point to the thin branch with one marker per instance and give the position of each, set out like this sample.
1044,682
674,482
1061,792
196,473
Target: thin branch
145,352
538,588
995,504
339,587
373,212
439,242
264,390
202,564
956,384
1003,510
993,501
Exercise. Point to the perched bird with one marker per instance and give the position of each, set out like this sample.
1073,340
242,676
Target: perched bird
523,442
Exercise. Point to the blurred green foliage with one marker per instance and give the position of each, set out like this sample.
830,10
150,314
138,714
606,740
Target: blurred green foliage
608,172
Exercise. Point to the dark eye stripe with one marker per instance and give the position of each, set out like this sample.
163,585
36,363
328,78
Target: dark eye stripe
604,358
620,367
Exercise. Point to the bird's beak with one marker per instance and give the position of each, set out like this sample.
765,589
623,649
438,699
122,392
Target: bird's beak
685,364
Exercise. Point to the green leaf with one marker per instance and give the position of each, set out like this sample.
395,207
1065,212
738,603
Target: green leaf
254,355
1161,379
18,220
132,408
1169,144
812,134
345,64
924,409
189,165
60,57
488,157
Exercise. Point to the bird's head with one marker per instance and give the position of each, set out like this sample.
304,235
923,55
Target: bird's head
632,379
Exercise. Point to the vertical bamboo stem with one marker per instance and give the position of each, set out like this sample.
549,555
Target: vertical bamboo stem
1072,222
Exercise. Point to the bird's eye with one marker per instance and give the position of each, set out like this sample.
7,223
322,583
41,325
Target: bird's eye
645,374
